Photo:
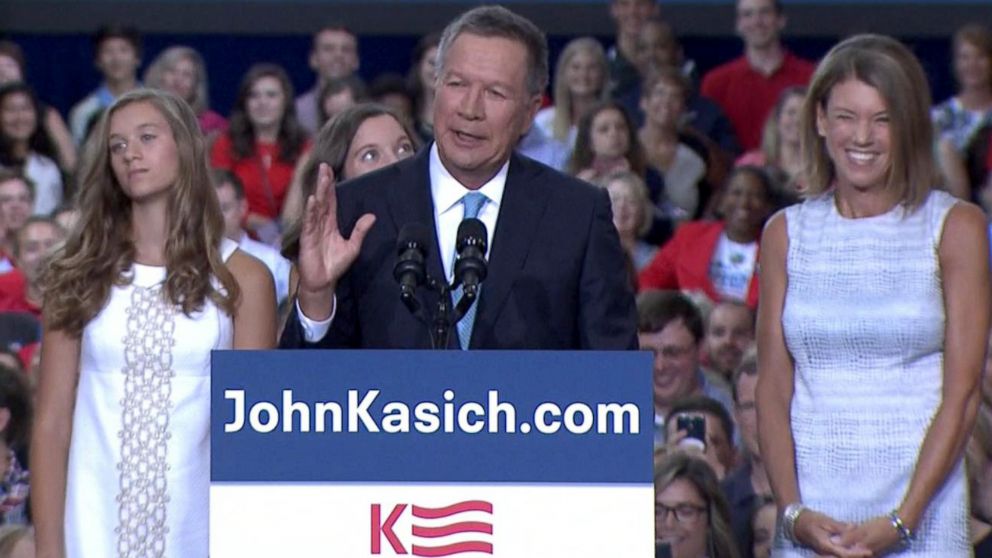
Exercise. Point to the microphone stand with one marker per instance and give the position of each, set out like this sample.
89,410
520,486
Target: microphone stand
410,269
445,316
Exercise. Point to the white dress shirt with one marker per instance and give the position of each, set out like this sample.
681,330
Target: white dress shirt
447,194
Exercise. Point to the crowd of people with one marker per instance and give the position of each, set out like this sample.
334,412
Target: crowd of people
827,408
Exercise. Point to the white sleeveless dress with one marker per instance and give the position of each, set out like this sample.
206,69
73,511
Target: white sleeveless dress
864,321
139,459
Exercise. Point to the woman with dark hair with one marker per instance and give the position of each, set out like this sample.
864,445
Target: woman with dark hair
420,80
361,139
181,70
135,301
25,147
12,69
720,257
339,94
262,145
873,323
690,512
606,142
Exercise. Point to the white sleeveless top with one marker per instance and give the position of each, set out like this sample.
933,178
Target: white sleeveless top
864,321
139,459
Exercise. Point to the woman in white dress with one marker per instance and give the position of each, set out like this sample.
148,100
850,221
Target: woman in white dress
872,323
134,302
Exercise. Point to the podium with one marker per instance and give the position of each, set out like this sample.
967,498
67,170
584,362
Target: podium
360,454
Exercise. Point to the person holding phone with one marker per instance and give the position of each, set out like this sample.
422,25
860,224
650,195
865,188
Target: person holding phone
872,324
701,424
671,327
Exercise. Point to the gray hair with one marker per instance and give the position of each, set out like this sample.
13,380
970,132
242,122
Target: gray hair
497,21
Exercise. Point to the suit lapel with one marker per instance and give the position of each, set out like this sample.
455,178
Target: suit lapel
524,202
410,201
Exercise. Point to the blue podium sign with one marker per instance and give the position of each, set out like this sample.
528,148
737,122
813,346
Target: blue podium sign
452,453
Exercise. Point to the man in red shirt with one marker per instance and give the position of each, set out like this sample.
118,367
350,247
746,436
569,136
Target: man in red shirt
19,290
747,87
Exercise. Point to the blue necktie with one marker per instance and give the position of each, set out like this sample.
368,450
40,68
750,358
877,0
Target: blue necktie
473,202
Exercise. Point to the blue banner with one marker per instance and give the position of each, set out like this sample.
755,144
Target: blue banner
418,416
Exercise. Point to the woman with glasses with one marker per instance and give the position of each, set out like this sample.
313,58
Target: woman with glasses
690,513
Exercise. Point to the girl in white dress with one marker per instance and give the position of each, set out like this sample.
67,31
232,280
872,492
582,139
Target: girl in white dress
872,323
142,291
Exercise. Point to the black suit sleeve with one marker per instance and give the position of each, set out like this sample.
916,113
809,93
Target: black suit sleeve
607,314
337,336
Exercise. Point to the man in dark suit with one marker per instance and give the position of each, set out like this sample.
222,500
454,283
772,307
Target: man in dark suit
556,277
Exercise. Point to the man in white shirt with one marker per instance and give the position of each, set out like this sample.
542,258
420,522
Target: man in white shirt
556,275
234,207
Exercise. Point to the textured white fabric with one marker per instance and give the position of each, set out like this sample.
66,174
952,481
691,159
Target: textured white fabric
864,321
139,459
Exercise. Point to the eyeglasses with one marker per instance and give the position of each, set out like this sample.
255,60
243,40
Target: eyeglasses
684,513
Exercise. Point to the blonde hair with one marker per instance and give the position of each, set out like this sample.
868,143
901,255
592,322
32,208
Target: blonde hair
561,121
637,187
679,465
888,66
155,74
99,254
771,138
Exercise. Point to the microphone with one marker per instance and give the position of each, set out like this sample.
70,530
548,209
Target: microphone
470,267
409,271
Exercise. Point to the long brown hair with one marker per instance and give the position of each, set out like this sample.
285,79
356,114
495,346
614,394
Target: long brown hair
99,254
331,146
583,155
887,65
291,137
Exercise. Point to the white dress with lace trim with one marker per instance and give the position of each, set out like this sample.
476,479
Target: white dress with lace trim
139,459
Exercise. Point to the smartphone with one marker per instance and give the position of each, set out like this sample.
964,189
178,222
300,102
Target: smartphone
662,550
695,429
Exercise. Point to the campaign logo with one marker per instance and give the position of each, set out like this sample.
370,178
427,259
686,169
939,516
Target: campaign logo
445,531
